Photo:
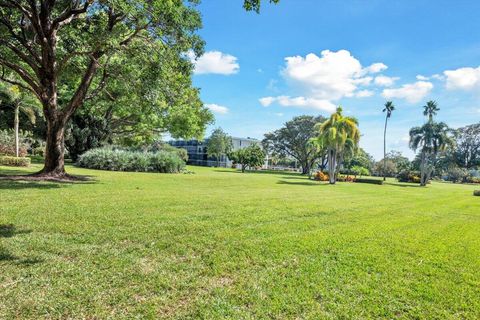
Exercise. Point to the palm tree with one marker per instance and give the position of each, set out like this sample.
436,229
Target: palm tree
12,97
431,138
389,107
339,135
430,109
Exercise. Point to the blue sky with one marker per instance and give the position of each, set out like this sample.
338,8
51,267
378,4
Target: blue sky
306,56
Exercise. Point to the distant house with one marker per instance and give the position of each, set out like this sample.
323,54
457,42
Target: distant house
197,151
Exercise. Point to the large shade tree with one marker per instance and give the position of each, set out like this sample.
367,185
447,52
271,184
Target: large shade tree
467,147
293,140
340,136
61,50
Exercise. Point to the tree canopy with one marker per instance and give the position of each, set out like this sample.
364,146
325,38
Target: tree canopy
293,140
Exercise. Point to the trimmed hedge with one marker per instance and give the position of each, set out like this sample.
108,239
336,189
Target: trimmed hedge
14,161
136,161
476,193
372,181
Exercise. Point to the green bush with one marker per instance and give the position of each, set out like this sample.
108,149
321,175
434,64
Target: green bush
7,143
14,161
409,176
372,181
476,193
124,160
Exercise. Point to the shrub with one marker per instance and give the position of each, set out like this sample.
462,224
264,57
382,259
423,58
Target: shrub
123,160
409,176
372,181
320,176
476,193
456,174
345,178
162,146
14,161
7,143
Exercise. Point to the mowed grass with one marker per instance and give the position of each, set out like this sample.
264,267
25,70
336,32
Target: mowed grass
219,244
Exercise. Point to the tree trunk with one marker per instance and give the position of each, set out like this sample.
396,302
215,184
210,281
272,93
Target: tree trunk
55,149
305,167
331,166
385,150
243,168
15,126
423,174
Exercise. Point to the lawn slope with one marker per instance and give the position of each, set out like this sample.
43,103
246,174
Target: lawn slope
220,244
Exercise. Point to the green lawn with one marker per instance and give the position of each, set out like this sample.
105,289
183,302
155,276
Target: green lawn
219,244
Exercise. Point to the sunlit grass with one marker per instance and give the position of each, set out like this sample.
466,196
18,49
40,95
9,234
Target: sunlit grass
221,244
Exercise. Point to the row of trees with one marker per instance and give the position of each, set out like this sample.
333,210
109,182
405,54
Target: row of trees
332,144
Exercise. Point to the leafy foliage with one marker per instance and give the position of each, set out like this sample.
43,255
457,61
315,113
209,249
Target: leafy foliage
123,160
467,146
14,161
219,144
294,140
339,135
7,143
85,132
251,156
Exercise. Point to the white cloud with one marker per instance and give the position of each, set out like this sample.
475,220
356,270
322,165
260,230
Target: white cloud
463,78
411,92
385,81
364,94
422,78
376,68
438,77
279,114
215,108
267,101
299,102
331,76
215,62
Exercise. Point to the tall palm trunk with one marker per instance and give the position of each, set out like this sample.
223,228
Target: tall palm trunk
16,128
385,150
423,169
332,159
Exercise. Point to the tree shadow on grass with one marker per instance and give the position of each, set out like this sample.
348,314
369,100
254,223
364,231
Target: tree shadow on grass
9,231
22,181
272,172
402,185
308,183
19,185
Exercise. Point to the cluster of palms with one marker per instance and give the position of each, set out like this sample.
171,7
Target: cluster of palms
430,139
339,136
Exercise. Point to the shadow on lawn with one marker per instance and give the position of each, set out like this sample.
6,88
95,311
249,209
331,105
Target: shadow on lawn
306,182
260,172
9,231
14,179
402,185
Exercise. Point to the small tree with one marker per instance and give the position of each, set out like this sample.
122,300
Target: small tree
360,171
219,144
251,156
13,97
